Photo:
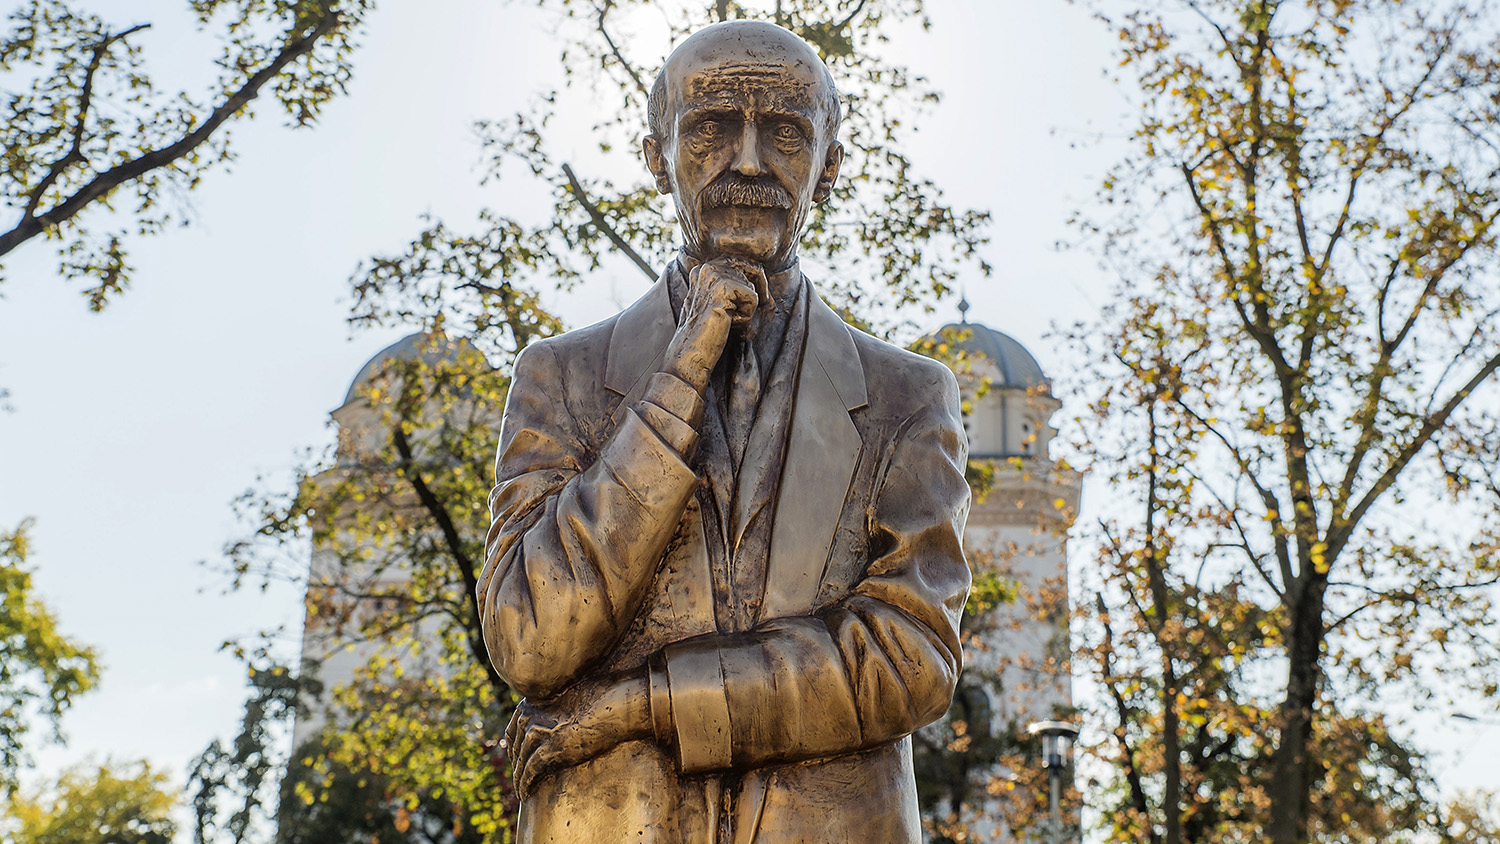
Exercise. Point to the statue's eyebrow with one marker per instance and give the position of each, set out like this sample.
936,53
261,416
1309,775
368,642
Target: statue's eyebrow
791,114
718,110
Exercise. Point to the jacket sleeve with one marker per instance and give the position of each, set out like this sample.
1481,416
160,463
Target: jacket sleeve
576,538
865,671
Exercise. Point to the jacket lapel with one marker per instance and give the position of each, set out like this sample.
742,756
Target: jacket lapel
636,348
822,451
637,344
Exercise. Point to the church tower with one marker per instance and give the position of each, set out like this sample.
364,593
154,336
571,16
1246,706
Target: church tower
355,574
1016,668
1016,527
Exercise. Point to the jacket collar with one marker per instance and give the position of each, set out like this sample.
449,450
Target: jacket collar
822,450
640,338
644,329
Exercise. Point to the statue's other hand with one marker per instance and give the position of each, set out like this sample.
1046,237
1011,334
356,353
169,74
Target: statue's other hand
585,721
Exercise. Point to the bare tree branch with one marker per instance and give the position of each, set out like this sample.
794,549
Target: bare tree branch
455,546
848,19
85,101
1340,531
1229,46
1267,497
603,225
1122,712
108,181
619,56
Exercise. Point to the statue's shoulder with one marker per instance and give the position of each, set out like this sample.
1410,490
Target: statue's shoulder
901,385
578,352
580,341
900,373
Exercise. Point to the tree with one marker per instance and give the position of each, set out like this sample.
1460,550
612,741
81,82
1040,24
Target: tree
977,772
1295,404
83,124
398,522
232,786
1473,819
41,670
351,808
107,804
397,510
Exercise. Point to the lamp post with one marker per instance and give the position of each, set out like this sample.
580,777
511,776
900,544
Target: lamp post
1057,745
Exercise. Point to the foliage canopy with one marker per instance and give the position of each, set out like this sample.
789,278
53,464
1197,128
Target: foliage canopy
83,126
41,670
96,804
1296,404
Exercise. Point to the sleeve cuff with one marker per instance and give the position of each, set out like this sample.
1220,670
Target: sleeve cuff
673,395
676,433
661,702
700,708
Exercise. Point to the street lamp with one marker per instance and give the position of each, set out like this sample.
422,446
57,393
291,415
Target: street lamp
1057,745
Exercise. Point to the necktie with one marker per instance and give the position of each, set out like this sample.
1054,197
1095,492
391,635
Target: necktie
744,397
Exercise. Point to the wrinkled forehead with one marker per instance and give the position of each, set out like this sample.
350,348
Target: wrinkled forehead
753,67
740,82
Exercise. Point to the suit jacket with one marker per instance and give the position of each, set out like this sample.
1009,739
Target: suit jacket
796,728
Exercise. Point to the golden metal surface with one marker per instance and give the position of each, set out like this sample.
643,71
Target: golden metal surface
729,591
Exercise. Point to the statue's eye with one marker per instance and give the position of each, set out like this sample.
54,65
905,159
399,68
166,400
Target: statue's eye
709,128
787,132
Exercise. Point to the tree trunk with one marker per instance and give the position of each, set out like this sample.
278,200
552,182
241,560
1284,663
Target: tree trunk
1291,765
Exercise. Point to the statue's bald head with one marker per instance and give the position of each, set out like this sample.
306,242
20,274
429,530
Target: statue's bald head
754,44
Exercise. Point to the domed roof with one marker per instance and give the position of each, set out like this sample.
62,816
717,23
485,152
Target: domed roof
419,345
1017,367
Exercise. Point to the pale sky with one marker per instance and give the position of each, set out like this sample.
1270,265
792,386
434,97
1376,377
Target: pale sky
134,429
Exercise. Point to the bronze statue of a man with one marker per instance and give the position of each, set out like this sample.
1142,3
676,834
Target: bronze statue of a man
725,567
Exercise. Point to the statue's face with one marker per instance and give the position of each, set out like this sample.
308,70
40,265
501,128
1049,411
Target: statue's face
747,151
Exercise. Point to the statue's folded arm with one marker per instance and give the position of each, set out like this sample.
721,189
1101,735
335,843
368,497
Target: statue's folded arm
572,549
867,670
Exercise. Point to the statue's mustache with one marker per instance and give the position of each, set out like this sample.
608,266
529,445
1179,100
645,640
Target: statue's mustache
745,192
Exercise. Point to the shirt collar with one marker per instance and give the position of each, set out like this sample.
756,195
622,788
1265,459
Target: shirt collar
782,280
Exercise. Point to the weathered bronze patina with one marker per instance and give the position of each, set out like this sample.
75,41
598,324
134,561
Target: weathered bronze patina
725,565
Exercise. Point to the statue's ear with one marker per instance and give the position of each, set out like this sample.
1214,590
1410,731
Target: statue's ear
656,162
830,172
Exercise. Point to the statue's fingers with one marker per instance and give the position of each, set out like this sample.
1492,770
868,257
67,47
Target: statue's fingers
736,296
513,731
745,300
526,769
756,275
536,766
532,739
749,273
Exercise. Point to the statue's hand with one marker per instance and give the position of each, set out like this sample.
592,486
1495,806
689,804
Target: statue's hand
722,293
588,719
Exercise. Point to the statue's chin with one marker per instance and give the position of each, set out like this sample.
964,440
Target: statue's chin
751,233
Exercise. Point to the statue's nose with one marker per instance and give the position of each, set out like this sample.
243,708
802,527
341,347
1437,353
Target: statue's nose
747,162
